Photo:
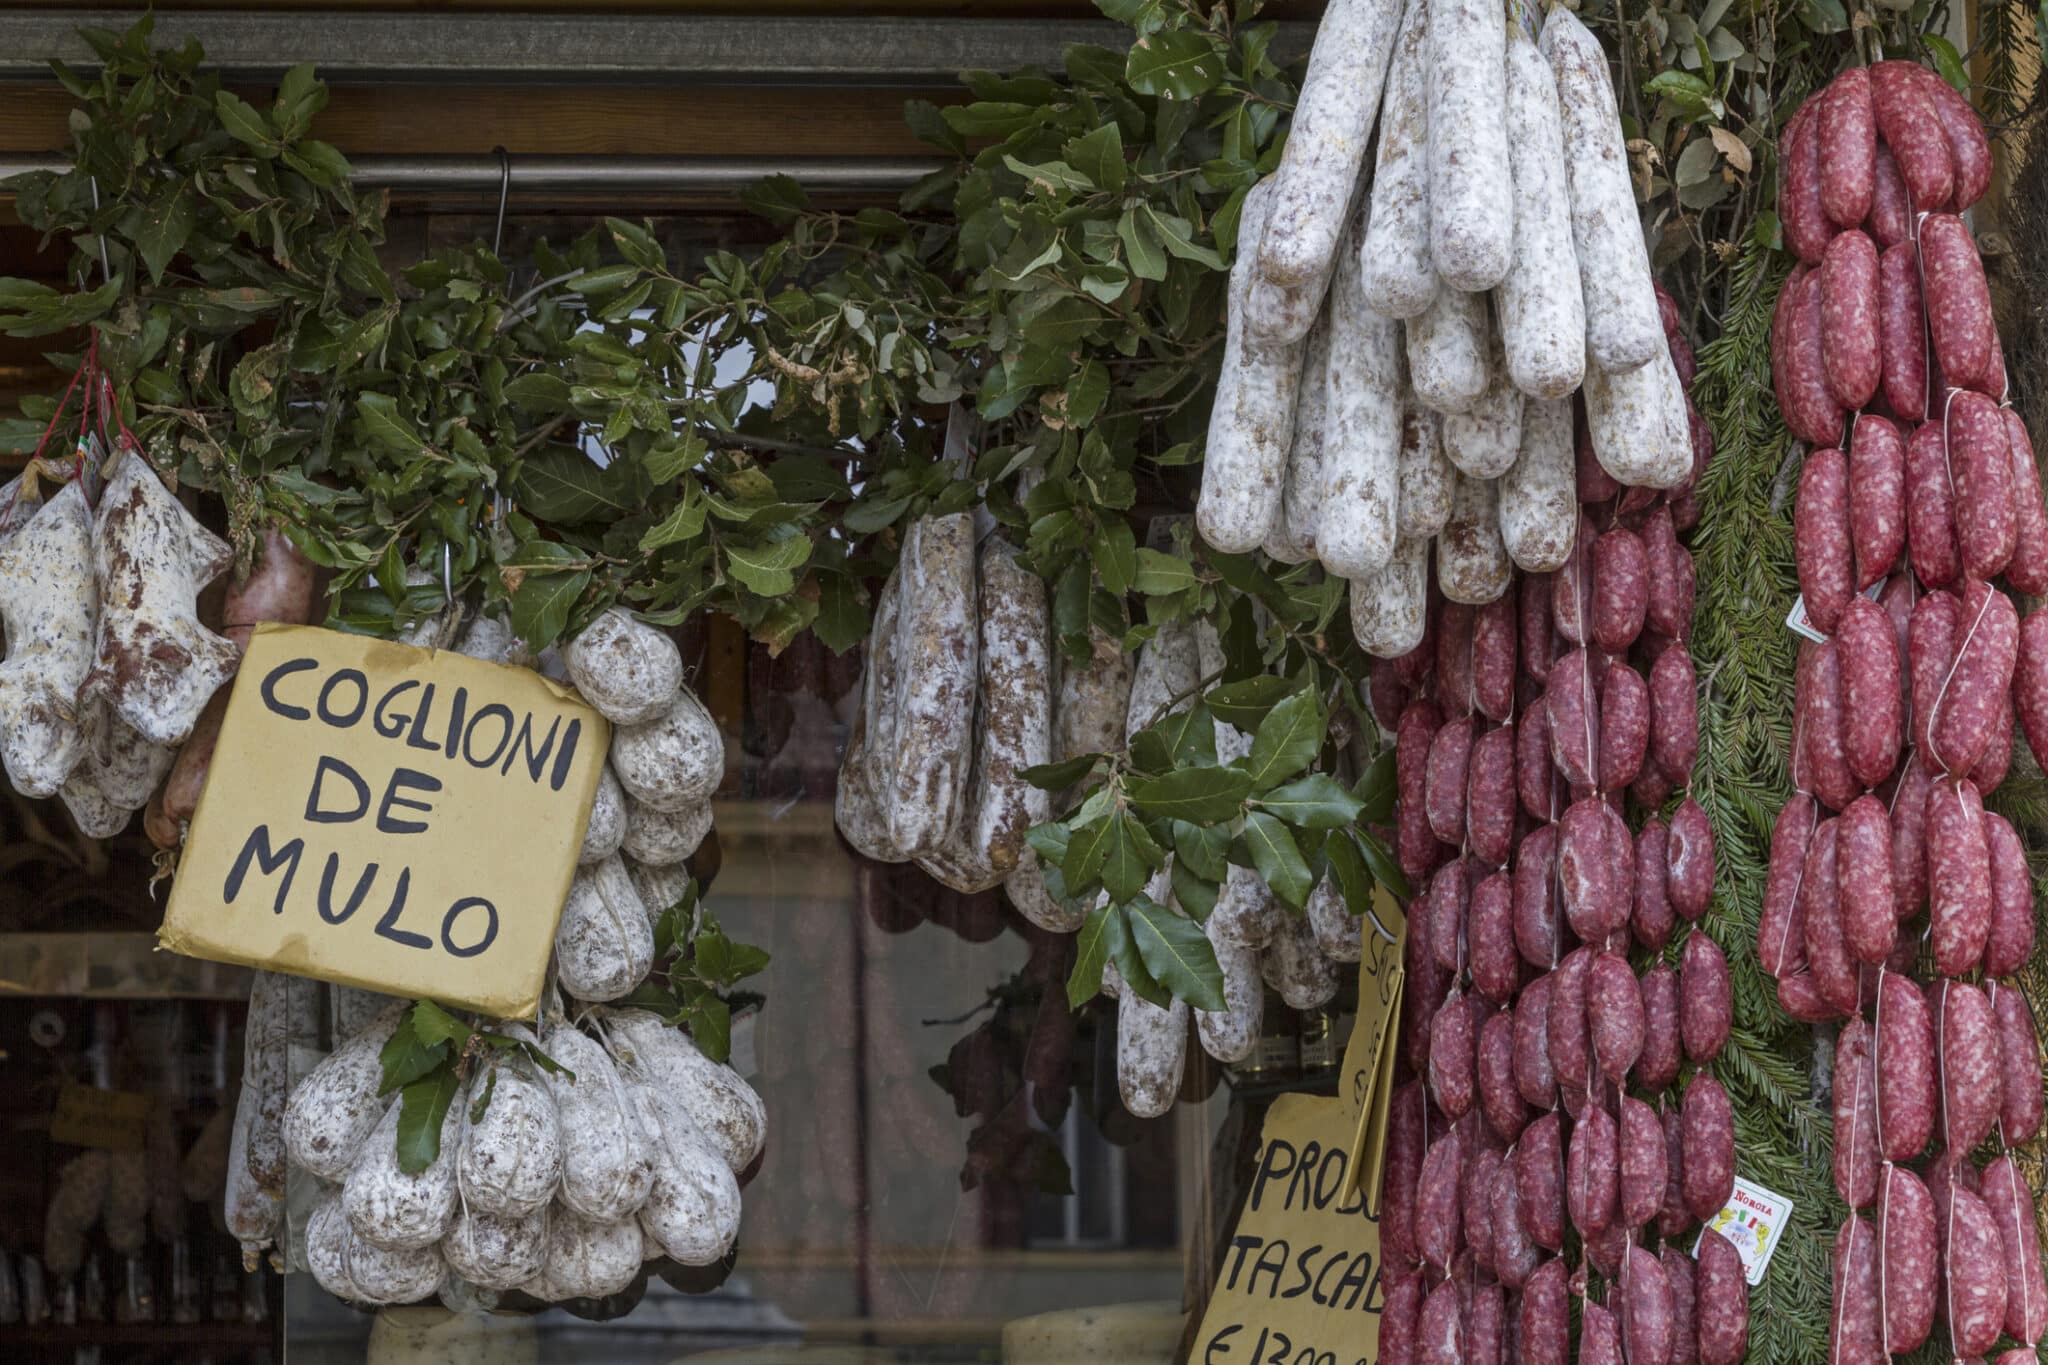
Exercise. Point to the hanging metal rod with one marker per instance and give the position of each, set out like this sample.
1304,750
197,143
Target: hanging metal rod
354,47
628,174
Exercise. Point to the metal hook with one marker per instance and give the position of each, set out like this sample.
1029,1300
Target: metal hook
504,194
106,269
447,571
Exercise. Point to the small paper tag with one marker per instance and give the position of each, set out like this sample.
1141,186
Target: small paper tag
87,1116
1799,623
1754,1220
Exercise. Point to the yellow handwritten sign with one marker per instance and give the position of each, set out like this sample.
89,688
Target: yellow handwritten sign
404,820
1368,1068
87,1116
1301,1277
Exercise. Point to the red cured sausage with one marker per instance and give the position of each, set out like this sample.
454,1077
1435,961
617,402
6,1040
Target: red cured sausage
1572,701
1930,650
1706,998
1490,796
1855,1096
1827,955
2005,1193
1721,1296
1535,1082
1646,1317
1539,1180
1596,902
1906,1091
1790,294
1969,150
1975,1273
1671,577
1912,130
1847,148
2027,570
1533,624
1871,671
1499,1100
1678,1278
1592,1172
1449,902
1891,214
1493,656
1386,696
1781,936
1901,334
1651,919
1930,509
2030,683
1848,319
1614,1014
1821,537
1571,587
1991,766
1641,1163
1535,898
2010,941
1427,983
1674,715
1571,1047
1624,727
1440,1330
1959,321
1535,775
1689,856
1809,405
1415,841
1807,229
1400,1318
1621,589
1980,463
1966,1053
1657,1065
1439,1230
1707,1139
1800,998
1958,877
1863,869
1452,1057
1450,753
1906,1259
1454,659
1820,728
1673,1217
2019,1067
1490,939
1877,498
1482,1162
1856,1328
1401,1173
1544,1316
1515,1255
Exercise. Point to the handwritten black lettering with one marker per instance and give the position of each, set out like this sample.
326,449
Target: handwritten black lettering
388,926
330,764
569,737
1219,1345
405,779
385,724
355,679
418,738
455,713
277,675
257,847
1243,1242
1305,1278
1272,1260
455,913
355,897
1278,1161
503,715
1362,1278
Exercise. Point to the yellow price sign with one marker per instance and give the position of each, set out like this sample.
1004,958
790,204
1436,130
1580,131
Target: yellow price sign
1367,1073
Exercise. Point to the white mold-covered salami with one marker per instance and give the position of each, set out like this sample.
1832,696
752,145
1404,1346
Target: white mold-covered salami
1447,351
674,761
923,781
1230,1033
1638,422
1539,500
1094,698
496,1251
1483,441
1292,538
389,1208
153,663
1471,188
1389,609
1425,473
1251,420
1168,670
511,1157
117,761
1025,886
1399,276
661,838
1540,302
352,1009
382,1275
251,1211
1623,329
487,637
47,604
587,1258
625,668
693,1207
96,816
607,827
1472,564
1360,489
715,1097
266,1079
659,887
603,946
1295,967
16,505
1338,932
1312,189
1151,1046
327,1239
607,1167
333,1110
856,803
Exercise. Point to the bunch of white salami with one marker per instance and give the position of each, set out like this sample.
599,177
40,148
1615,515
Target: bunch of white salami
1918,490
1546,1096
1404,342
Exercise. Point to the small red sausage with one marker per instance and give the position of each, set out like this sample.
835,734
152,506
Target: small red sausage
1624,728
1450,893
2027,570
1674,715
1515,1255
2030,683
1930,508
1454,659
1673,1217
1657,1064
1670,606
1958,877
1707,1138
1848,319
1721,1299
1877,498
1535,775
1992,765
1592,1172
1912,129
1806,225
1475,1202
1706,998
1863,869
1440,1330
1856,1162
1901,332
1533,624
1930,650
1493,656
1891,214
1499,1100
1572,700
2010,941
1452,1057
2011,1203
1906,1259
1401,1173
1823,743
1800,998
1400,1317
1855,1326
2019,1067
1975,1273
1439,1230
1809,405
1959,320
1966,1051
1641,1163
1689,857
1490,939
1535,1082
1544,1316
1646,1318
1909,841
1820,913
1847,148
1868,649
1679,1278
1490,796
1450,753
1595,900
1539,1180
1651,918
1781,937
1614,1014
1904,1056
1535,898
1820,531
1969,150
1980,461
1621,589
1571,1046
